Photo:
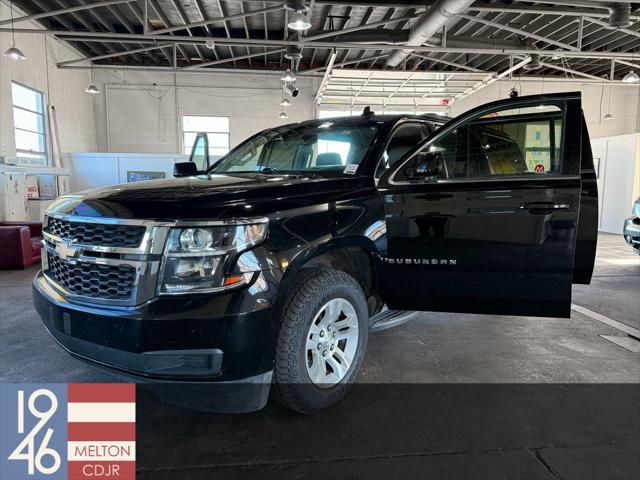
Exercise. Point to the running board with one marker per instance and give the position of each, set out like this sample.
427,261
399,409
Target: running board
389,319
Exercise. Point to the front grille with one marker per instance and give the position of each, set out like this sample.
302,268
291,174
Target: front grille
113,282
129,236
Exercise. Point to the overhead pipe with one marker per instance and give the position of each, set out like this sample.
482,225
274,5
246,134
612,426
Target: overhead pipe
401,37
619,12
428,26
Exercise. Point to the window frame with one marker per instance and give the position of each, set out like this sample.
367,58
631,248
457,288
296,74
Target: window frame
550,119
427,124
45,130
561,103
227,133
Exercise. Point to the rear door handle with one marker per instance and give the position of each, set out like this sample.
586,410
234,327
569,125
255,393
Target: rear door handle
544,206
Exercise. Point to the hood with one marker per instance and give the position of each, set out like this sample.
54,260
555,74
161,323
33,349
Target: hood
210,196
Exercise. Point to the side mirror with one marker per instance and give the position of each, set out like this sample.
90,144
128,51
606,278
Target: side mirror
427,166
185,169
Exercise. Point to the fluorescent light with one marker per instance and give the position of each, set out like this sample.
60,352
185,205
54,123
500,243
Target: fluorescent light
299,21
14,53
92,89
631,77
288,76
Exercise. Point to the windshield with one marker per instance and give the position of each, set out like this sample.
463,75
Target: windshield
324,147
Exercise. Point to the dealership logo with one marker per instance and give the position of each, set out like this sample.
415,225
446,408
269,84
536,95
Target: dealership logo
74,431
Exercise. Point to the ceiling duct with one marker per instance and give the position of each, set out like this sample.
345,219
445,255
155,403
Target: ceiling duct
401,37
534,64
619,12
296,5
293,52
620,15
428,26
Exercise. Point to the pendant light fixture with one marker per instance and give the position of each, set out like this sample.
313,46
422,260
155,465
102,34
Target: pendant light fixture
631,77
288,76
92,88
283,115
296,17
285,102
13,52
609,115
298,21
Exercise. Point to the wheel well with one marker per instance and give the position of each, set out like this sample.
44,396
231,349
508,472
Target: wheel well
355,261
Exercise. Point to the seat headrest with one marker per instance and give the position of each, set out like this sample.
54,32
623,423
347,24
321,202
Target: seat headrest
329,159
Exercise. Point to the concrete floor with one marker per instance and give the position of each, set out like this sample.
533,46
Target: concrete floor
444,396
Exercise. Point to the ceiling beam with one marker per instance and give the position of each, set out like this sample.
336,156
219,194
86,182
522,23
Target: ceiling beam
163,18
204,23
183,17
199,40
494,78
344,64
606,25
517,31
230,59
569,70
480,6
309,74
116,54
62,11
337,33
325,78
446,62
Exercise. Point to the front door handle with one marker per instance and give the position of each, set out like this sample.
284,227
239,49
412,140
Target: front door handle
544,206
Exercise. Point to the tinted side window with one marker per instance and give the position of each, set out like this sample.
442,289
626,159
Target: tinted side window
519,141
405,138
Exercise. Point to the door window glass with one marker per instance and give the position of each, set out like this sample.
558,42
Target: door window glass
523,141
405,138
199,153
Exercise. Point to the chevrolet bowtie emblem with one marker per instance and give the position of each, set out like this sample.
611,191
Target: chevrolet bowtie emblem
66,250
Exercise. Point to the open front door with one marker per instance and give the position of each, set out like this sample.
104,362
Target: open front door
200,152
482,217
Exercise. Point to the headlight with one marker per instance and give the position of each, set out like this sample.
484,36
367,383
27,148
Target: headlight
636,209
195,256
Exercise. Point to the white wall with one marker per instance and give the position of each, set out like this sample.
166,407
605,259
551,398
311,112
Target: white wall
618,178
64,89
625,103
91,170
141,117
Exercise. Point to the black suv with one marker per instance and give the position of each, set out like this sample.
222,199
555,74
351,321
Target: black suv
269,267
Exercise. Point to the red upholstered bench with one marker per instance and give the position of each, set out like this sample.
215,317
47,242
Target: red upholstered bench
19,244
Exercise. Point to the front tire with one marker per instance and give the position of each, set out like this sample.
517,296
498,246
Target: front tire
322,341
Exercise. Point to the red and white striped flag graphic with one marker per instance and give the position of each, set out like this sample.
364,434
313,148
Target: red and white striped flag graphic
101,431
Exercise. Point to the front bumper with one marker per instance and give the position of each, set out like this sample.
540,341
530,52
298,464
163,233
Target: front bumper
222,342
631,232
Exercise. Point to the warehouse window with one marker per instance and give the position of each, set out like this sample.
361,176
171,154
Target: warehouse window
216,128
29,122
